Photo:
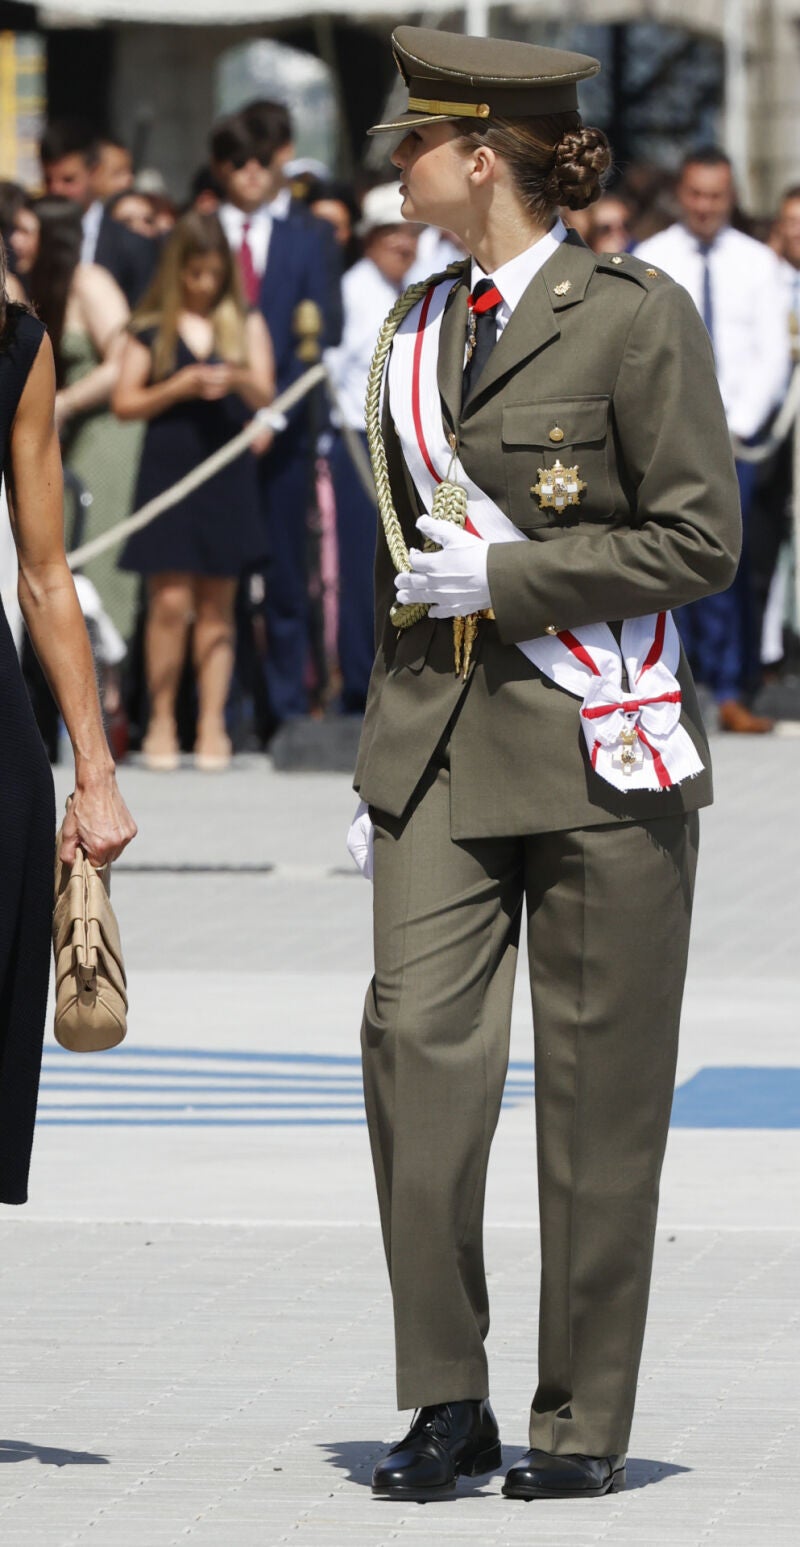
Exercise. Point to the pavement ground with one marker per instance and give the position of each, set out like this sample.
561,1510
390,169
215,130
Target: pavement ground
197,1341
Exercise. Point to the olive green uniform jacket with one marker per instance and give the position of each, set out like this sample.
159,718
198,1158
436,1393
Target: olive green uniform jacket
621,362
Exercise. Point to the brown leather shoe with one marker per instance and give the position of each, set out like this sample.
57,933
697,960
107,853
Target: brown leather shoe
734,716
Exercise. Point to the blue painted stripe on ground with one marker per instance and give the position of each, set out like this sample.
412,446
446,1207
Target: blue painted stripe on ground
199,1106
739,1097
265,1088
215,1122
239,1055
717,1097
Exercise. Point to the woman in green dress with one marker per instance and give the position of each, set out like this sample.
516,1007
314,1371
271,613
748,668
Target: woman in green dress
85,313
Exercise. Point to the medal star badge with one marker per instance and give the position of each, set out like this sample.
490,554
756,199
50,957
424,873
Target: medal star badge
558,487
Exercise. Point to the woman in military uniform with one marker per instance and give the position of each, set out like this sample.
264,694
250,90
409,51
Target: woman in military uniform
548,421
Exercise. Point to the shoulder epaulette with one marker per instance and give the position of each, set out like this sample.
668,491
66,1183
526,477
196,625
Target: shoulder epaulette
638,269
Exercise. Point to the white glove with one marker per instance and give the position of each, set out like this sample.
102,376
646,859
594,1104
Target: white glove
453,581
360,840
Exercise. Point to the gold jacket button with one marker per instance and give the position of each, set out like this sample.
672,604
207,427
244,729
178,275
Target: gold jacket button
557,434
616,260
551,629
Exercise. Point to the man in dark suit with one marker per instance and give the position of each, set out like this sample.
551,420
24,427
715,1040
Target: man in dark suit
286,257
73,169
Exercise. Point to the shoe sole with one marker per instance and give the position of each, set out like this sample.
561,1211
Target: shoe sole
488,1461
206,762
615,1484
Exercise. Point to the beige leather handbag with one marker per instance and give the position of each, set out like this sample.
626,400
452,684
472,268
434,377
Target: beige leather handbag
91,997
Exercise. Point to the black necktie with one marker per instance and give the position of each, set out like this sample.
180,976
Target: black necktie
482,332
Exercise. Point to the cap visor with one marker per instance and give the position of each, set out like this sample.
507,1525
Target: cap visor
412,121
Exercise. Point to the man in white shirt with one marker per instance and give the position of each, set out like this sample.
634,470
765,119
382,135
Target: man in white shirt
734,282
248,179
73,168
771,526
369,291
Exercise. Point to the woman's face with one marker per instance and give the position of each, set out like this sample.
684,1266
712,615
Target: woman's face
137,213
337,215
24,240
202,278
434,176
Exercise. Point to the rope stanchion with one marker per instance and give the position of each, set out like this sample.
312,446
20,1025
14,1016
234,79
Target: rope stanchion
264,419
352,440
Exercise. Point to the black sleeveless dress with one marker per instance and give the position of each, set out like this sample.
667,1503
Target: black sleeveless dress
217,531
27,828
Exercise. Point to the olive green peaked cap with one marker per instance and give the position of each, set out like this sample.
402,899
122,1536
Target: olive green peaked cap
452,76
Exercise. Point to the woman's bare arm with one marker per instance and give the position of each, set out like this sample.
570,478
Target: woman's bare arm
98,818
133,398
255,382
103,311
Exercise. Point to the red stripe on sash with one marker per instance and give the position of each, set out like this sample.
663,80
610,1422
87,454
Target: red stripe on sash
415,404
599,710
579,651
660,766
654,653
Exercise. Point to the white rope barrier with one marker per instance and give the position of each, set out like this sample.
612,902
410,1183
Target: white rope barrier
779,430
272,418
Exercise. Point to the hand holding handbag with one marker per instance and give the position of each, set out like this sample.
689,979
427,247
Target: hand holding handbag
91,997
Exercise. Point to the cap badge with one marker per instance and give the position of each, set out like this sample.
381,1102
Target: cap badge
565,285
558,487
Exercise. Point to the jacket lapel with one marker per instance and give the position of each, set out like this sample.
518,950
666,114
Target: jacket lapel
534,321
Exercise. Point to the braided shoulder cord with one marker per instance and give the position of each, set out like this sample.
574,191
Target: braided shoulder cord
402,617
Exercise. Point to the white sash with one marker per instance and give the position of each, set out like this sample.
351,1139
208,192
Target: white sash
587,662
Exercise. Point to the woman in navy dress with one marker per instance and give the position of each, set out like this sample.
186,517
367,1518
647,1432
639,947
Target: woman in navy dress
195,367
98,818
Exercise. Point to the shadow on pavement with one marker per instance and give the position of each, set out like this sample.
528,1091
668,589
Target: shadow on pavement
640,1473
48,1455
358,1457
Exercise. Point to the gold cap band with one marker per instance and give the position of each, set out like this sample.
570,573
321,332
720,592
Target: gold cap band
450,109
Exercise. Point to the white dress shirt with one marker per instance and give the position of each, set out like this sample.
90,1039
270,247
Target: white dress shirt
91,222
258,232
748,317
367,299
280,206
791,296
513,278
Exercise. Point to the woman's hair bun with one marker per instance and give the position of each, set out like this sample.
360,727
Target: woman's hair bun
581,157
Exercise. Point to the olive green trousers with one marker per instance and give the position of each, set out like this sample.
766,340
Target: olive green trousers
608,911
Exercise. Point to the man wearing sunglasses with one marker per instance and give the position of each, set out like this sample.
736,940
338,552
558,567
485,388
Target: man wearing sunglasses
285,256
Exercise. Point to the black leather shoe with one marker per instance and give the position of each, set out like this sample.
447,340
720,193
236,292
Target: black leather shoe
450,1440
538,1475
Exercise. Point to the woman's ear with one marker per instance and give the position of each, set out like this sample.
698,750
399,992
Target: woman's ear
483,164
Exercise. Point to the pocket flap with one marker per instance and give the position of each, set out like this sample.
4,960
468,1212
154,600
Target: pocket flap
582,419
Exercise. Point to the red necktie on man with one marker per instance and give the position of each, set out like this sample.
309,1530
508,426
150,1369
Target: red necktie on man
250,279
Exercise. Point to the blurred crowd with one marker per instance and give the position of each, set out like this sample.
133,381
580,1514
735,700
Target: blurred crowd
249,603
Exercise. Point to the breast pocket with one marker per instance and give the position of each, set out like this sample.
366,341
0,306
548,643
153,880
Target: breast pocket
555,455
